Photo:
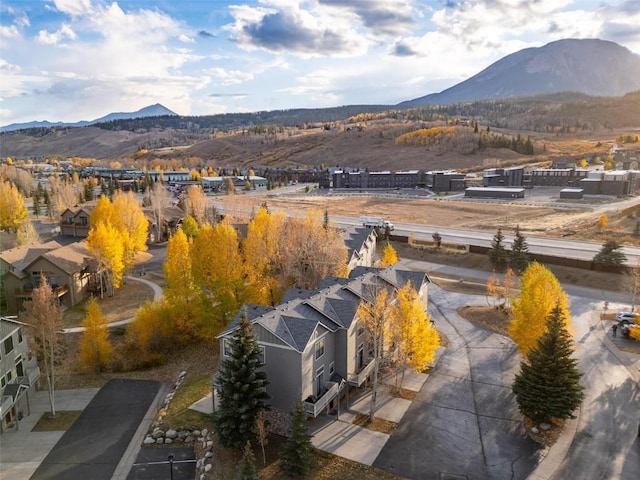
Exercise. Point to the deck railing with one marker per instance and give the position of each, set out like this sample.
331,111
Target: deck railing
314,408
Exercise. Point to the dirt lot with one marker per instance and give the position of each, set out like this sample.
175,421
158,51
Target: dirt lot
532,214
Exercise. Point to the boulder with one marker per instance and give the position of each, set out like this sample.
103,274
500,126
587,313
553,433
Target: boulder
207,467
168,440
160,440
171,433
149,440
545,426
189,439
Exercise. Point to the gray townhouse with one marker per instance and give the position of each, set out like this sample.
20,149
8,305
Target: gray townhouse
313,343
19,373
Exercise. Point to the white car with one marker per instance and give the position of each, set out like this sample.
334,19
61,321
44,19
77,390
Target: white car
626,317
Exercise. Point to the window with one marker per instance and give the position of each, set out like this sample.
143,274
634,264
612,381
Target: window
82,221
20,335
360,330
226,347
69,219
332,368
9,376
3,382
319,348
8,345
263,356
319,381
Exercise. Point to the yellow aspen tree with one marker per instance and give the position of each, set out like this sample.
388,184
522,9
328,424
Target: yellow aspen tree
414,337
389,256
540,292
131,222
311,252
262,257
190,227
182,297
218,270
146,330
372,315
603,221
13,213
103,212
105,244
94,349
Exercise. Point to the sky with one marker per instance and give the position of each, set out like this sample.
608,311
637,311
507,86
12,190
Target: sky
71,60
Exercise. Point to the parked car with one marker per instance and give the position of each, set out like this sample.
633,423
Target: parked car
626,328
626,317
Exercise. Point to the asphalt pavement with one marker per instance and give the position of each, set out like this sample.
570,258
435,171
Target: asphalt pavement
95,444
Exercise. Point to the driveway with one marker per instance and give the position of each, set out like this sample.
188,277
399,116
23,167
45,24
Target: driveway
97,441
464,422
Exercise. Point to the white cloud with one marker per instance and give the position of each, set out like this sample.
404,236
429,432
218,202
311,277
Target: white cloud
229,77
55,37
8,67
185,38
75,8
9,32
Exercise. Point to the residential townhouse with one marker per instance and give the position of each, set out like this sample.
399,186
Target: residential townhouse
19,373
314,344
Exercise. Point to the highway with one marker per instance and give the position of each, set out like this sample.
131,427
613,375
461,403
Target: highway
557,247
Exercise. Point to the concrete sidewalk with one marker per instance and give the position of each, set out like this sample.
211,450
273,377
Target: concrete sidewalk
341,437
22,451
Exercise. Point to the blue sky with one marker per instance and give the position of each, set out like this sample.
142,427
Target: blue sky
70,60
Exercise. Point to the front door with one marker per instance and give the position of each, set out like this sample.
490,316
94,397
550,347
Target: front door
360,358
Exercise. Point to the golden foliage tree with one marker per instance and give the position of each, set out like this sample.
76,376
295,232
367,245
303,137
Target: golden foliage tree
540,292
182,296
147,330
262,257
373,314
131,222
603,221
95,352
105,244
389,256
13,213
218,270
414,336
310,252
44,317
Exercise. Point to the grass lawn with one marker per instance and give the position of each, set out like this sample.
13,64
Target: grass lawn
61,422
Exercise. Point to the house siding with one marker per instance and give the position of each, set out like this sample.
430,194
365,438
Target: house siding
282,387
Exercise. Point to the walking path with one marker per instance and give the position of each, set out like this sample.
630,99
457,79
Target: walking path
157,296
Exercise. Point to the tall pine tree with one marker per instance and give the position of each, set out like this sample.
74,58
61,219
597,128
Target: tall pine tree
296,458
497,253
519,258
548,383
242,388
247,467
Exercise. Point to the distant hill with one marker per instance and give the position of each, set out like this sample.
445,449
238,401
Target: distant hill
590,66
156,110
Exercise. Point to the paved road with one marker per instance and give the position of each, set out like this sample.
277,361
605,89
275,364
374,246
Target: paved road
94,445
464,421
606,445
153,464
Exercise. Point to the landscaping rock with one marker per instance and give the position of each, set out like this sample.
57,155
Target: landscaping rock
545,426
157,433
205,432
535,431
149,440
208,455
160,440
207,467
171,433
189,439
168,440
196,433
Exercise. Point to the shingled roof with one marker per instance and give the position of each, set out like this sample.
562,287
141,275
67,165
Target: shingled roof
332,307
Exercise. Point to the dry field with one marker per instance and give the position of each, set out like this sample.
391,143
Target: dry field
534,219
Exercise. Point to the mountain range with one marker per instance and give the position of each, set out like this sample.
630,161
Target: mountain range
591,66
156,110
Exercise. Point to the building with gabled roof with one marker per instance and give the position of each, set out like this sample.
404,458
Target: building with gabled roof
69,270
313,343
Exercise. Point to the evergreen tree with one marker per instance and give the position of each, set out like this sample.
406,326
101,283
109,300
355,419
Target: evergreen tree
296,458
325,221
88,192
548,383
610,254
242,388
519,256
497,253
247,467
36,204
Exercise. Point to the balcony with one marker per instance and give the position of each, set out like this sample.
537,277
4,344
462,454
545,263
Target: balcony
58,290
30,379
314,408
358,379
